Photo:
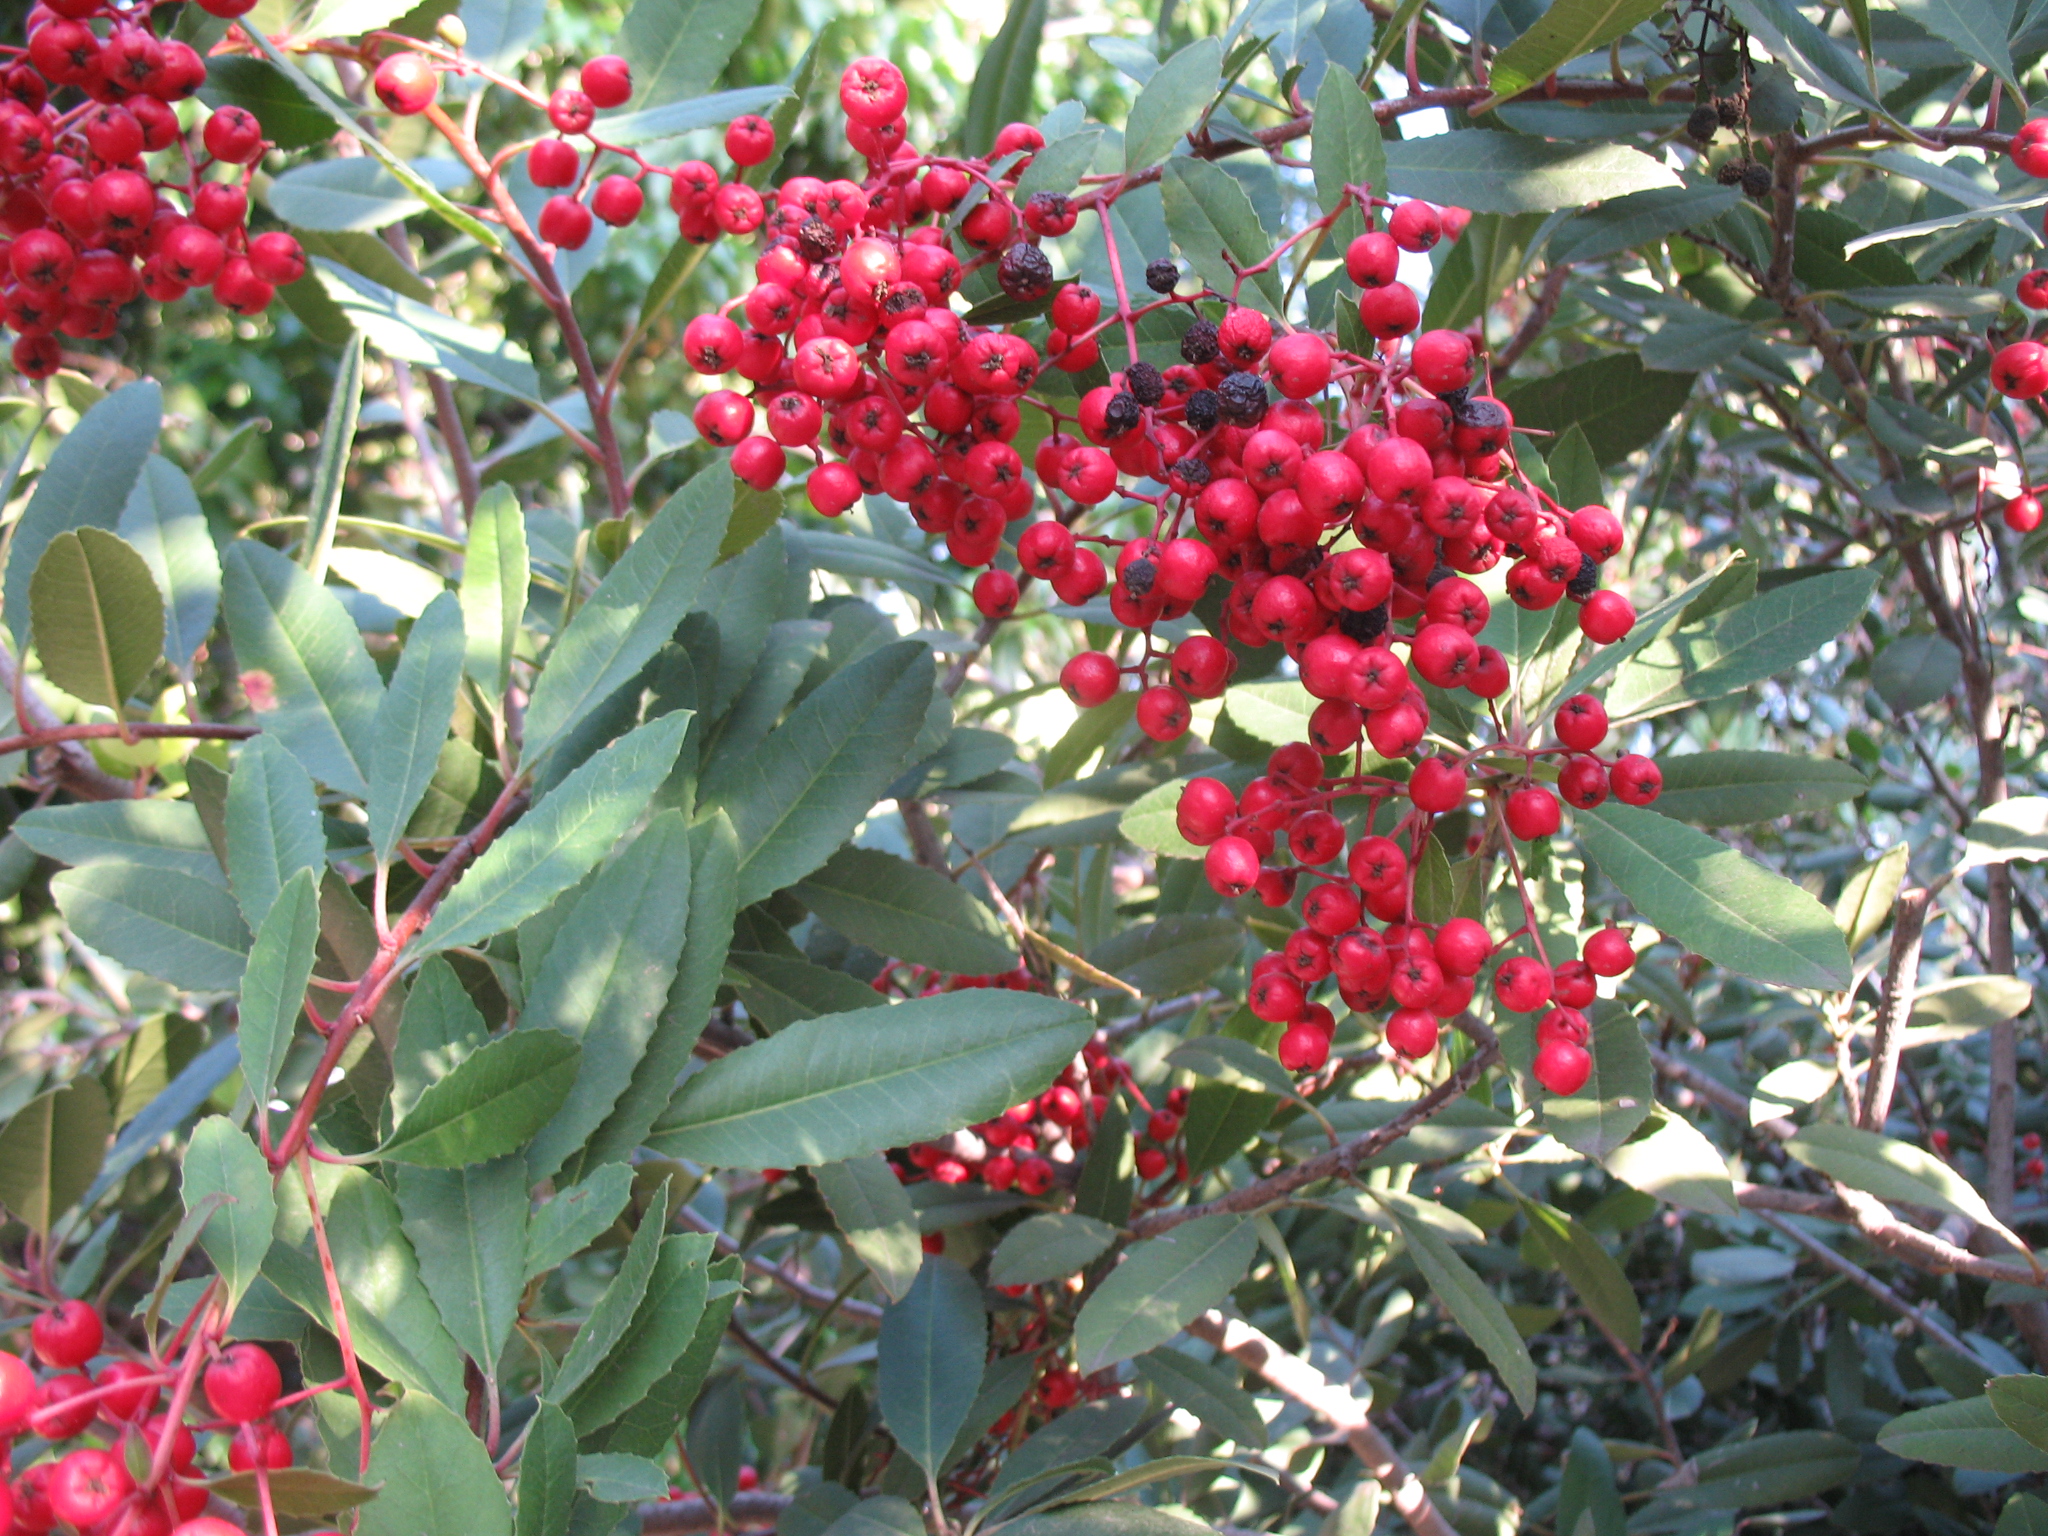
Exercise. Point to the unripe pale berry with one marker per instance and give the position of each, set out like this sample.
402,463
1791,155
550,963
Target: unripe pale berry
406,83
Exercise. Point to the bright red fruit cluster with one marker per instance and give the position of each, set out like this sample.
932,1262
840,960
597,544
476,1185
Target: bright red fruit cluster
136,1472
1336,502
2020,368
87,229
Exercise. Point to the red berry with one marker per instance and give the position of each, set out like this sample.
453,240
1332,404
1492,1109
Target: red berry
571,111
277,258
618,200
1303,1048
1415,226
1163,1126
995,594
1606,618
1609,953
553,163
88,1486
67,1335
1636,780
2020,370
873,92
2022,513
1562,1067
1532,813
1151,1162
260,1443
129,1402
232,134
1412,1032
406,84
1090,678
564,222
1522,984
58,1417
18,1394
749,140
1441,360
243,1384
607,81
1581,722
1232,866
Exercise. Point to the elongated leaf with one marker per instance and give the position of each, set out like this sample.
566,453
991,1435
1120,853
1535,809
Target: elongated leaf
1346,149
490,1104
576,1217
559,840
821,770
304,670
274,983
494,580
349,194
1719,789
850,1084
1161,1286
1590,1268
162,522
178,928
547,1473
1060,166
1048,1248
302,1492
662,1328
615,1309
1714,900
679,48
1171,103
1674,1161
1966,1433
929,1360
1212,221
330,471
1107,1519
1617,402
1889,1169
777,990
1978,28
1477,1310
606,979
2012,829
876,1217
649,1426
418,333
273,826
1638,219
1807,51
50,1150
1562,33
289,120
1491,172
1001,92
468,1227
347,18
634,609
221,1160
412,722
655,125
2022,1405
1865,905
156,834
1916,670
1172,955
1966,1004
1207,1391
86,484
437,1477
902,909
1589,1498
99,619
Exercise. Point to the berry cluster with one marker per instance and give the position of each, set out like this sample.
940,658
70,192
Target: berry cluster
2019,369
137,1471
88,229
1340,500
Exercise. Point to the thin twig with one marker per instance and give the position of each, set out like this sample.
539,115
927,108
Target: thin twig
1857,1275
1901,982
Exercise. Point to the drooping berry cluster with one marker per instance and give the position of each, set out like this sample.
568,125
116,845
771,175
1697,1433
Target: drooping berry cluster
2019,369
88,226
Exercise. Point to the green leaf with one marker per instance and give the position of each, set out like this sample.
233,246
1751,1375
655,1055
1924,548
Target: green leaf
1171,955
1211,219
1590,1268
606,979
1963,1005
1588,1495
1491,172
1162,1285
1888,1169
929,1360
1978,28
1966,1433
85,484
418,333
1672,1160
1618,403
1170,104
662,1326
1237,1062
885,1515
1603,1115
495,575
1714,900
98,617
490,1104
1568,29
2023,1515
613,1479
274,983
468,1228
346,194
1720,789
175,927
330,469
1346,149
1001,92
1639,219
439,1029
304,672
614,1311
273,826
1050,1247
1865,905
289,120
679,48
301,1492
876,1217
162,522
437,1477
155,834
1476,1309
819,773
1060,166
412,722
777,990
658,124
51,1149
1916,670
221,1160
559,840
838,1087
2012,829
2022,1406
547,1473
634,609
1807,51
576,1217
906,911
1206,1391
647,1428
1108,1519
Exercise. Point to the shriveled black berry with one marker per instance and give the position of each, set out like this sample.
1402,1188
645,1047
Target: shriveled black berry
1203,408
1025,272
1439,571
1191,471
1481,411
1121,415
1730,173
1147,385
1456,398
1729,111
1138,577
1363,627
1583,585
818,240
1162,275
1244,399
1198,343
1756,180
1704,123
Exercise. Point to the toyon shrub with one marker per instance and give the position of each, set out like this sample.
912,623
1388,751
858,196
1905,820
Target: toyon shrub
799,808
